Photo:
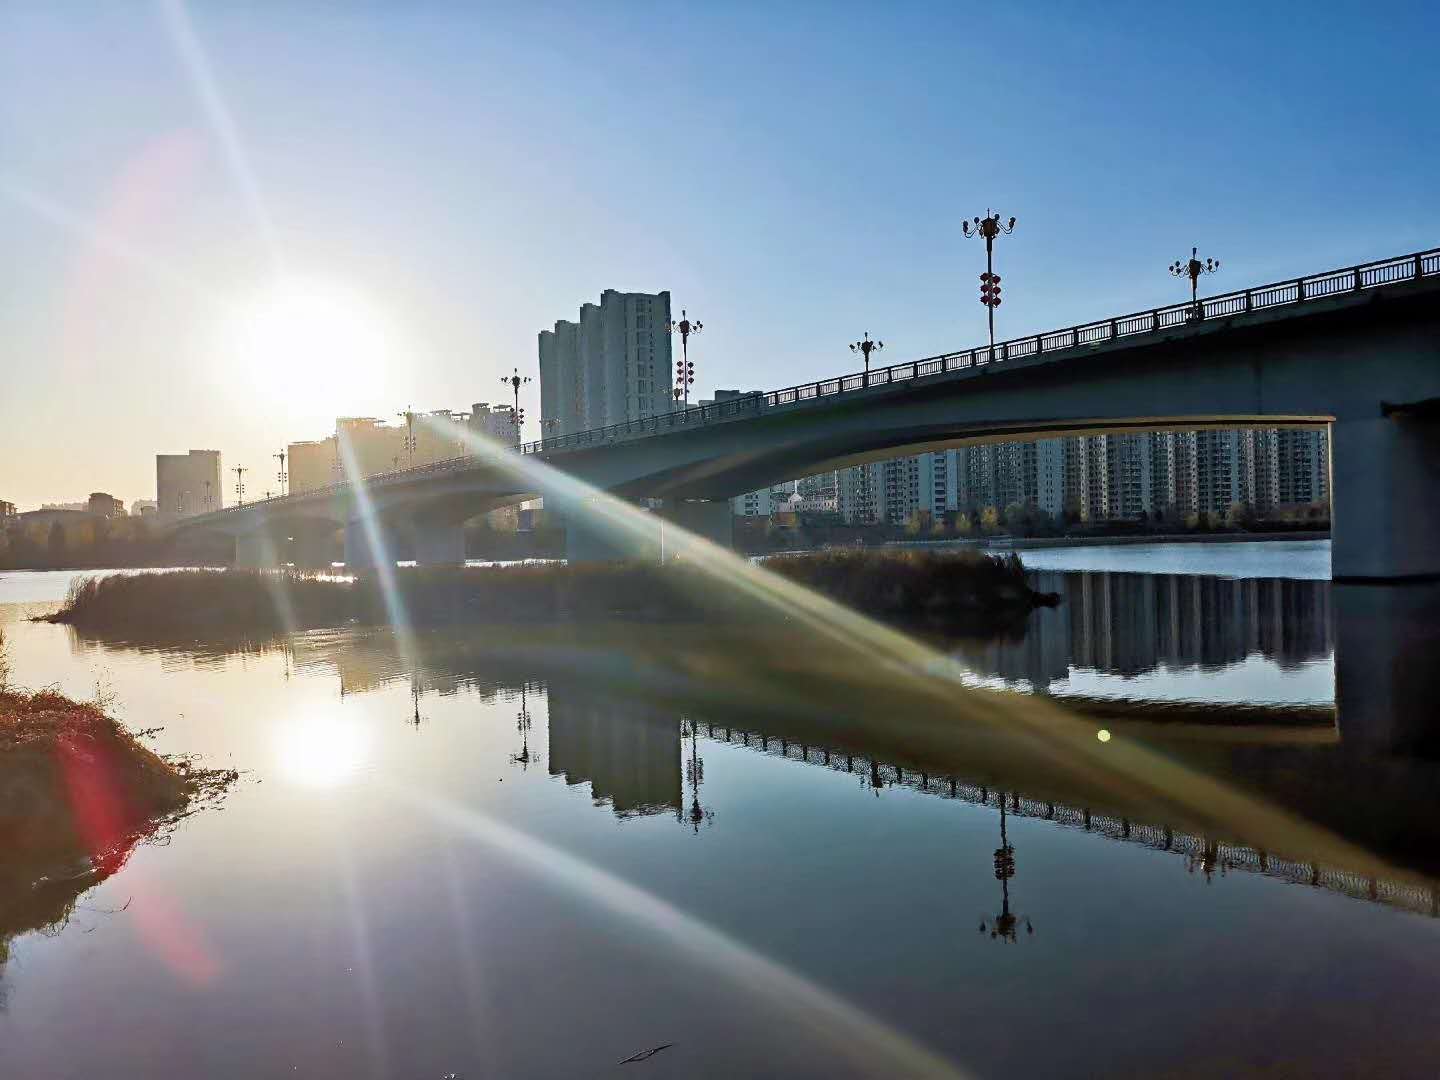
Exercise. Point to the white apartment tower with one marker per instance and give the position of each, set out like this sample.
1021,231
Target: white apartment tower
612,366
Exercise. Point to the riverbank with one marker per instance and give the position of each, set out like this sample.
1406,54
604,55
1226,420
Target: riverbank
972,589
77,793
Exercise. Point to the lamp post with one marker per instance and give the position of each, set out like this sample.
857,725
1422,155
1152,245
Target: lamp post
517,415
207,496
865,347
409,444
685,370
1193,268
989,227
282,475
240,471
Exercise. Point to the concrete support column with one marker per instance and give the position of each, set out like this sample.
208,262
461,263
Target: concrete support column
360,553
255,551
1385,517
708,520
312,551
439,544
598,531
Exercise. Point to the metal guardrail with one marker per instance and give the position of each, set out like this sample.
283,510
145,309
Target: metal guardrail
1394,271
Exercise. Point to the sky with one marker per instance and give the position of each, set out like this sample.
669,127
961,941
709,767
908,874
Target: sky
224,224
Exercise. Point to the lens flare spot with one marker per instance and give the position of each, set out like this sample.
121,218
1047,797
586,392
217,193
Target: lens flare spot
1103,735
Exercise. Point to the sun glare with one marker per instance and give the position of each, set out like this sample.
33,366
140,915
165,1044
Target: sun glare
305,338
320,751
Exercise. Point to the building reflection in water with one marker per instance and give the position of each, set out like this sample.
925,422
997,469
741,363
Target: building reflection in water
1131,624
628,752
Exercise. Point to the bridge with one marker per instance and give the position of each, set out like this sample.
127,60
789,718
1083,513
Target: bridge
1356,349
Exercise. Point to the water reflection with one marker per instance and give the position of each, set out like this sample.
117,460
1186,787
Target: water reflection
1200,852
1131,625
628,753
1004,926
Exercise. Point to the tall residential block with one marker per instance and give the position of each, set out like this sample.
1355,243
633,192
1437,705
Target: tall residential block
188,484
1143,475
612,366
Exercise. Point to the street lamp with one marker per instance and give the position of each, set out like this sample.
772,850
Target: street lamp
517,415
685,370
865,347
990,226
409,442
207,496
240,471
1193,268
282,475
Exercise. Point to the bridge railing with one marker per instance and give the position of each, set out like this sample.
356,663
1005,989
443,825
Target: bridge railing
1394,271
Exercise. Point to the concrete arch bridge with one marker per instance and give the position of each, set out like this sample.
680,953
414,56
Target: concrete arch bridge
1357,350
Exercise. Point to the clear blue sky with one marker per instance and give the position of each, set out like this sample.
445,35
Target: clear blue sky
794,173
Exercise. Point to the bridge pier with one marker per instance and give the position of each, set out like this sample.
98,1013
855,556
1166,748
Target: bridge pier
255,551
594,534
439,544
708,520
312,550
597,530
1385,517
361,553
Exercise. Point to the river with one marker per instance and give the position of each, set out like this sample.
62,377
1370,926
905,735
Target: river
526,852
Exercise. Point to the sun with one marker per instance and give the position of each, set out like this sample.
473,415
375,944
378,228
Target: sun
304,340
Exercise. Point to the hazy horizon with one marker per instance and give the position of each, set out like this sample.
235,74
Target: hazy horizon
434,186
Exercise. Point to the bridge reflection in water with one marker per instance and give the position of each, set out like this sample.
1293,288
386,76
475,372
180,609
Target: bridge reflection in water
634,761
619,713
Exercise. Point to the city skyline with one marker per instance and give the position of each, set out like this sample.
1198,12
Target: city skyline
168,188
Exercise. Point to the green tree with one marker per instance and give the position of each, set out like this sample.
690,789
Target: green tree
963,525
989,521
1018,519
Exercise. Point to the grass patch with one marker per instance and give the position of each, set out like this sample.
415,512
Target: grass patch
980,590
77,793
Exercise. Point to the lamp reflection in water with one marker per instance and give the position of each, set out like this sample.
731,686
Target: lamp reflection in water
1004,926
695,776
522,725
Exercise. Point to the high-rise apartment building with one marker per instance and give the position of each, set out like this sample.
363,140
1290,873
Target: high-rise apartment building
365,445
188,484
1302,467
495,424
1090,477
612,366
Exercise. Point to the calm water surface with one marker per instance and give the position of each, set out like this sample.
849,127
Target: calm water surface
515,852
